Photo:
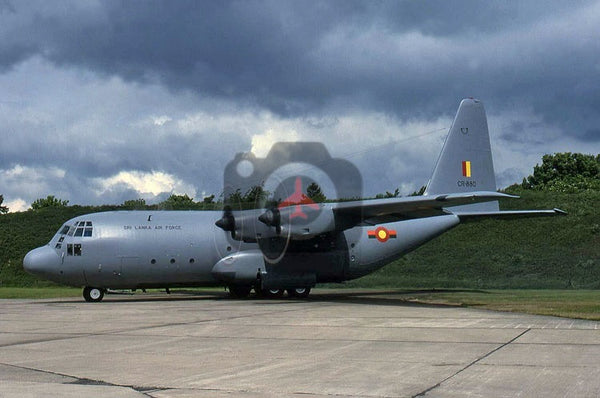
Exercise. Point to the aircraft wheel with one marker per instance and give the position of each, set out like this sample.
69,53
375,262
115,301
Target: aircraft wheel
300,292
93,294
239,291
272,293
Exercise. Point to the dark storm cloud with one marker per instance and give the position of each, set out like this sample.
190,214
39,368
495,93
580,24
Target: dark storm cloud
412,59
82,84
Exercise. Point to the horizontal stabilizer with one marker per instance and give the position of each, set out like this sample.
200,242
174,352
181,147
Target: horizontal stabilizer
510,214
414,206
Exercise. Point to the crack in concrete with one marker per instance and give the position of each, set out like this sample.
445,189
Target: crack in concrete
145,390
90,382
424,392
150,390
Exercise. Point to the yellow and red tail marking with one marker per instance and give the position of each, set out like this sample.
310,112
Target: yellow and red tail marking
382,234
466,168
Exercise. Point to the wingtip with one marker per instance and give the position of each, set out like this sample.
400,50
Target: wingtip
560,212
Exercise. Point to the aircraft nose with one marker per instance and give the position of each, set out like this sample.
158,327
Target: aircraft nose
41,261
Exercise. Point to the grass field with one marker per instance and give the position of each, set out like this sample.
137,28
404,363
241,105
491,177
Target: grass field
38,292
582,304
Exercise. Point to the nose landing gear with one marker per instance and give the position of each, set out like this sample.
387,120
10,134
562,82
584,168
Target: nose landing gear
93,294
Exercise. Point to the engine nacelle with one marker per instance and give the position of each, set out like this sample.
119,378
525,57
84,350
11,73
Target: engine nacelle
297,222
245,225
300,221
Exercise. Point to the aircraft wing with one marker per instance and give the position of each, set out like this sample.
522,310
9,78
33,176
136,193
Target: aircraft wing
250,225
412,206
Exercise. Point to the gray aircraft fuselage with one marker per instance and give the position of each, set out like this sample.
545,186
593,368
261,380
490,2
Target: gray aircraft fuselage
139,249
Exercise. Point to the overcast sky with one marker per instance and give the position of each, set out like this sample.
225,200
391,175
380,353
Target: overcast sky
104,101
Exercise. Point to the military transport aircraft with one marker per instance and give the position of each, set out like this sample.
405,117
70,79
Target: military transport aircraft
164,249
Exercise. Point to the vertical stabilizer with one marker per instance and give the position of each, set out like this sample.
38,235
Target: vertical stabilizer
465,164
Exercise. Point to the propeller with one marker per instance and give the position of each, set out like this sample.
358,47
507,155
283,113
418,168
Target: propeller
227,222
272,218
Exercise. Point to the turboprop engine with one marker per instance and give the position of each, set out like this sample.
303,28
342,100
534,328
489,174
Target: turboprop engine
295,222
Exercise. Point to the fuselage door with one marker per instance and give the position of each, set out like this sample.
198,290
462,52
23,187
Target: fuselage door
128,267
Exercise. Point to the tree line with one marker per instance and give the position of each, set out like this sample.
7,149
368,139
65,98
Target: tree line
564,172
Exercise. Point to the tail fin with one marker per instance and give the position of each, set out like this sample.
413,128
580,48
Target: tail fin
465,164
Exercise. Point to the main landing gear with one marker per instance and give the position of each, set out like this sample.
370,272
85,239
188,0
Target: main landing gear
272,293
240,292
93,294
299,292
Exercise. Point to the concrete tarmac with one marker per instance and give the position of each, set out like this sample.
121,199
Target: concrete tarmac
333,344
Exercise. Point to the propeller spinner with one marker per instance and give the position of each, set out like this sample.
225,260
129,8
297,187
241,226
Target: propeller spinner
272,218
227,222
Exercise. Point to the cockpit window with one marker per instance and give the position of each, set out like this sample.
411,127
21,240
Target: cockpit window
80,229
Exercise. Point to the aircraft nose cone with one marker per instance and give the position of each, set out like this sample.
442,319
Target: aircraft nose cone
41,261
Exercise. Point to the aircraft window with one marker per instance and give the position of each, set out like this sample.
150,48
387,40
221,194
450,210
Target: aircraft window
81,228
77,249
58,246
172,261
192,261
62,238
69,249
153,261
